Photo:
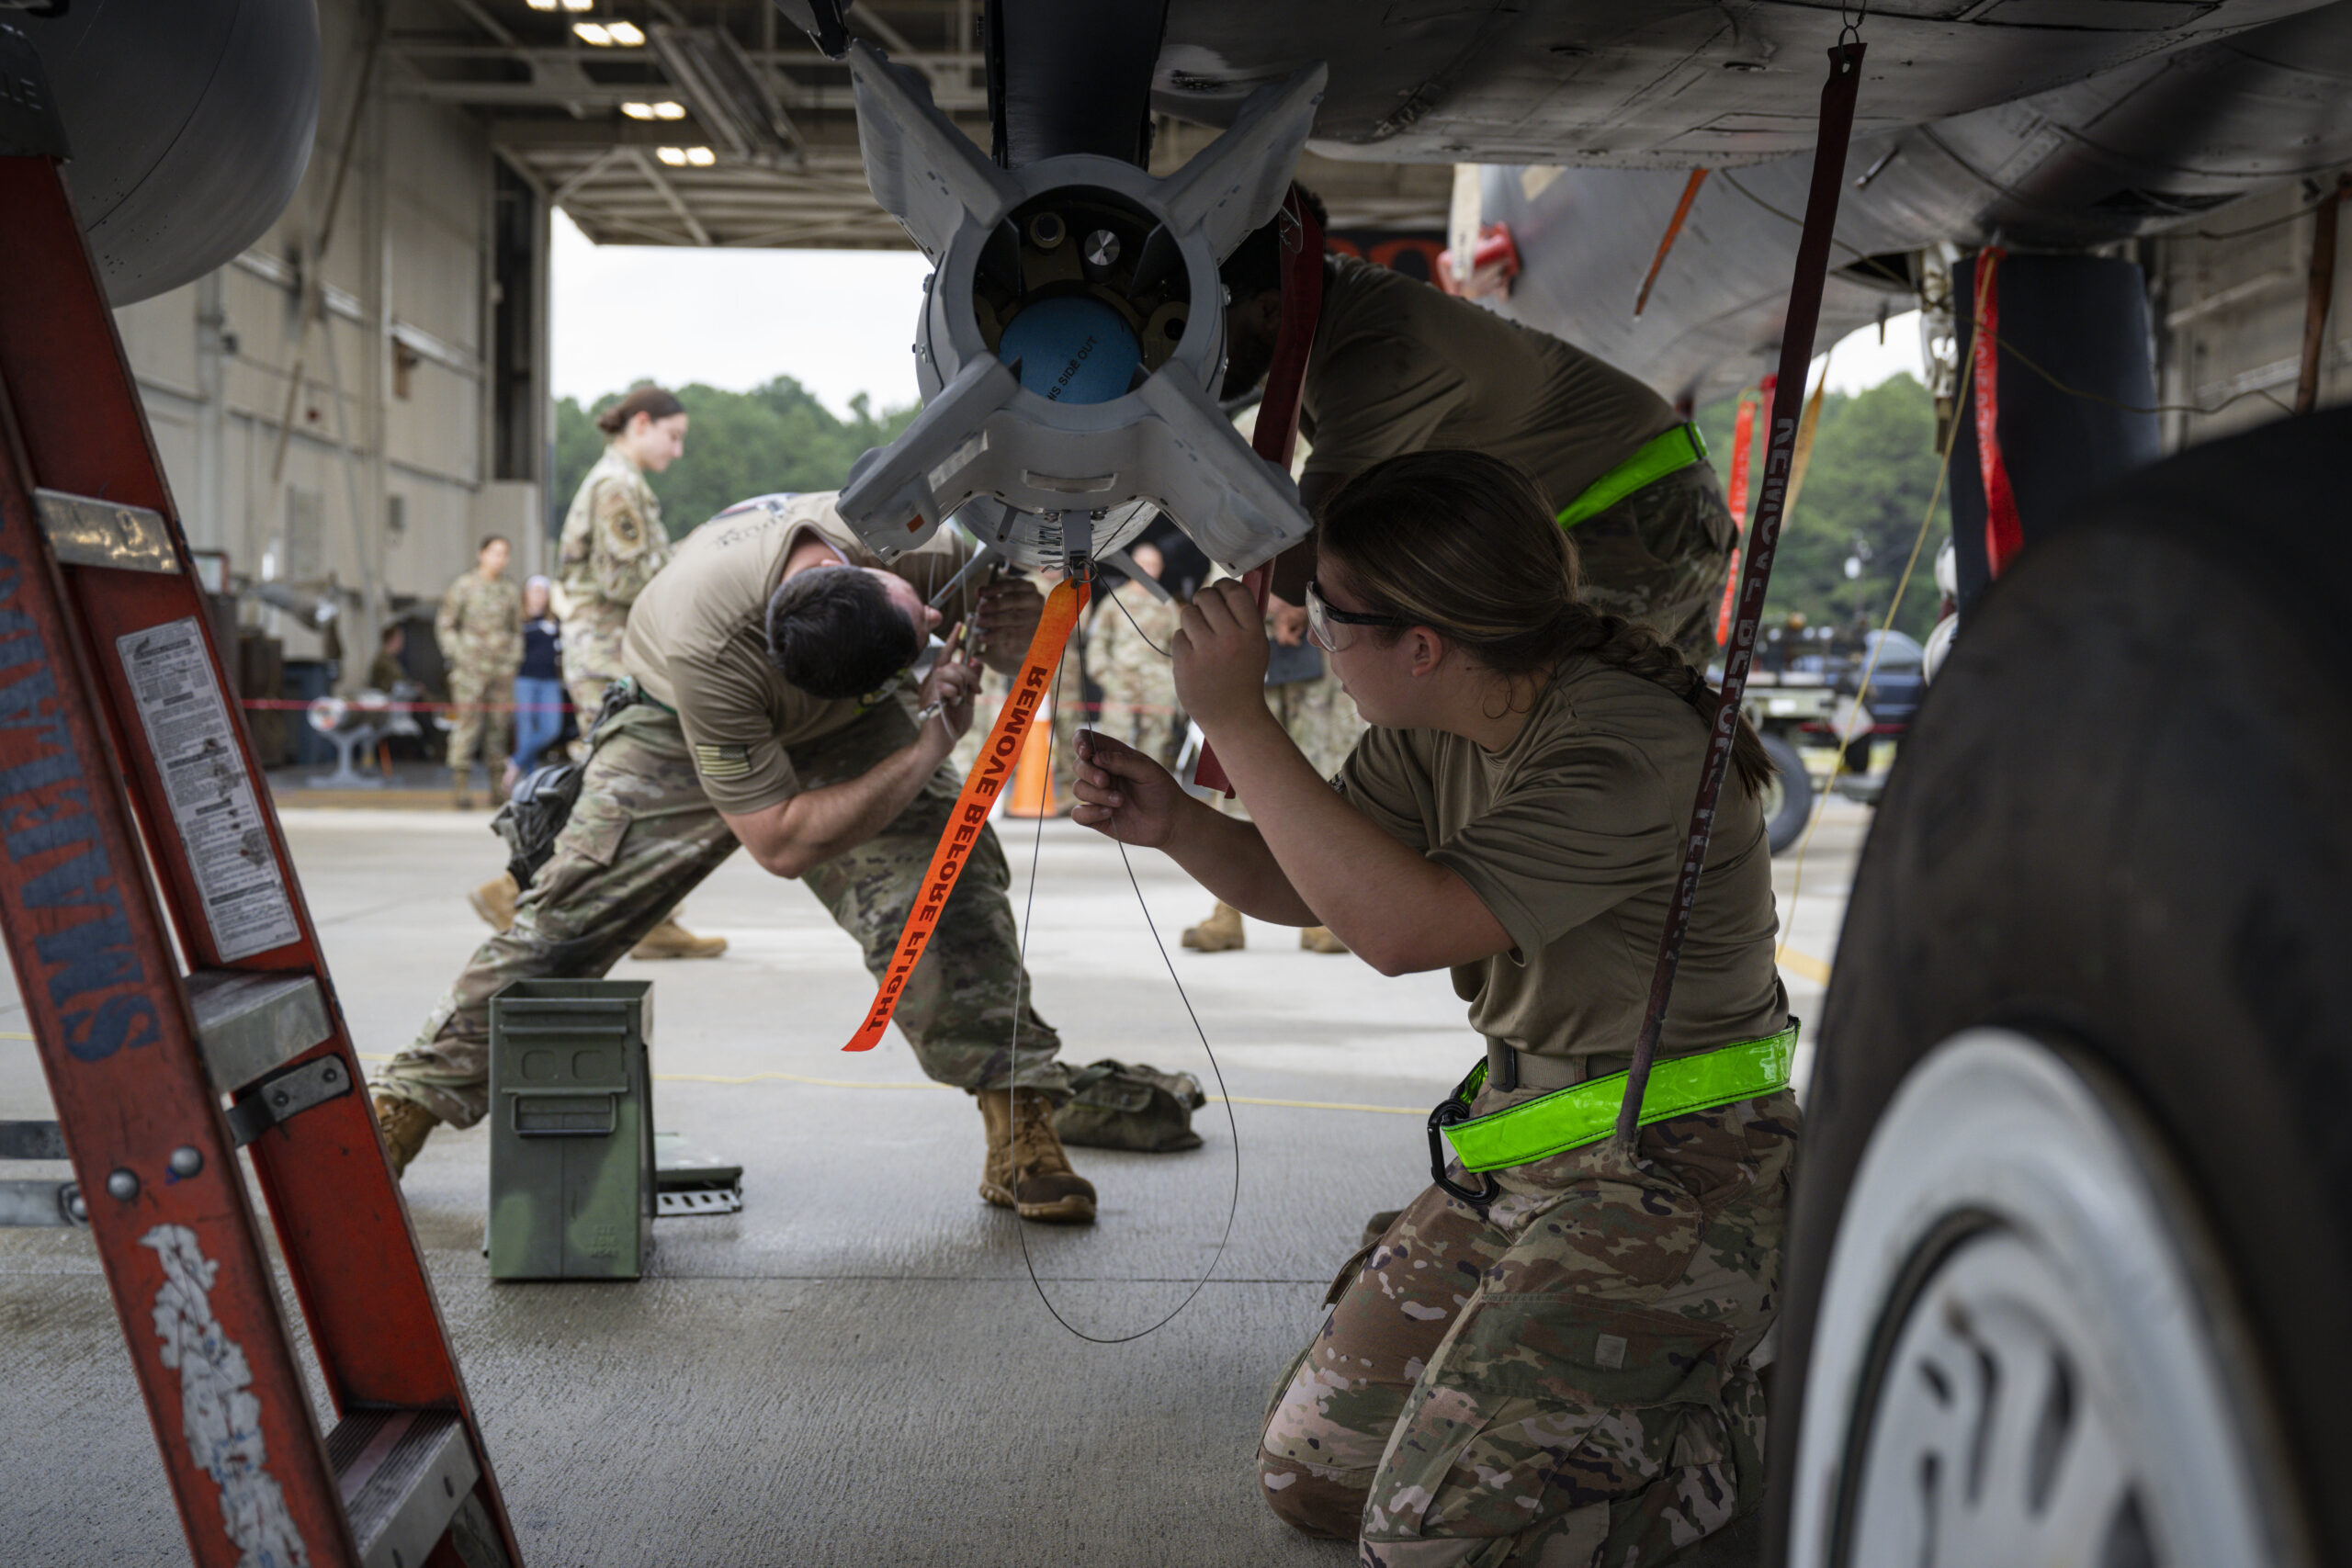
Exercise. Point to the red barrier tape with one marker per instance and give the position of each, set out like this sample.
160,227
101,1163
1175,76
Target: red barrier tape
302,705
989,775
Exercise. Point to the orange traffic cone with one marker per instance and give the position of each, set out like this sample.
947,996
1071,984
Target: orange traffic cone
1033,776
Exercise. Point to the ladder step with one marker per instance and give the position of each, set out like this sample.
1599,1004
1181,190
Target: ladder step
41,1203
84,532
404,1474
31,1140
250,1022
679,1205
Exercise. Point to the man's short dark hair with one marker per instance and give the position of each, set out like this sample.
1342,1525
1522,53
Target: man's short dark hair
833,632
490,539
1256,265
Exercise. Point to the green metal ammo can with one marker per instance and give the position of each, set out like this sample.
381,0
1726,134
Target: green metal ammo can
571,1173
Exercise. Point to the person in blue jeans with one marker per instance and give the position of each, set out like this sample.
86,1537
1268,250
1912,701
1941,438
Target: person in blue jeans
538,684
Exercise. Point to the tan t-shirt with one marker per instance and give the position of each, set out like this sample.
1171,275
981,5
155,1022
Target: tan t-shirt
697,641
1572,837
1399,367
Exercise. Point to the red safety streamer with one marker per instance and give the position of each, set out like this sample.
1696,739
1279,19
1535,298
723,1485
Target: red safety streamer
1275,435
1743,437
988,776
1666,241
2004,534
1788,394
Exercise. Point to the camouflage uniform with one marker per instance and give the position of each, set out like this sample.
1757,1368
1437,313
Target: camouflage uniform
613,544
1660,557
1319,717
480,632
643,834
1563,1382
1125,656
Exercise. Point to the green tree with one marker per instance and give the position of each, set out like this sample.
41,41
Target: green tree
774,437
1873,467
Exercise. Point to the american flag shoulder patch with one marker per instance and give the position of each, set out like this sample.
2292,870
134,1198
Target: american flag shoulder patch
722,761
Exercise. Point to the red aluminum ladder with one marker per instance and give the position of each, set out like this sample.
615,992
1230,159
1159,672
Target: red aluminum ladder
129,795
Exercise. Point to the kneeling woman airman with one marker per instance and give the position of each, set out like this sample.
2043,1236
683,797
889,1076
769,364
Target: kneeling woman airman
1546,1356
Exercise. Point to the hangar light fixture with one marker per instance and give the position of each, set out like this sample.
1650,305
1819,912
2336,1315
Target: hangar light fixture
654,111
686,157
607,35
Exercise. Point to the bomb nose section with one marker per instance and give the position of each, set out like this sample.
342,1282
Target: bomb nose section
1072,338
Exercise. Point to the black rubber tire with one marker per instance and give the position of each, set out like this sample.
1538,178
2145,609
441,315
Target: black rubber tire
2119,820
1787,824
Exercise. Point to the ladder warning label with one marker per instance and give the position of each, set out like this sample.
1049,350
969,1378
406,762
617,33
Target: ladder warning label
211,793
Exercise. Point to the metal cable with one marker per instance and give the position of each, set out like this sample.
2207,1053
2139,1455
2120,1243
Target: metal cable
1233,1208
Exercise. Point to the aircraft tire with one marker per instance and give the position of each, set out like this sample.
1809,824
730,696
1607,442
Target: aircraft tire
1788,800
2108,893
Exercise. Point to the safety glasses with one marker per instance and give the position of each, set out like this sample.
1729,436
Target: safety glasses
1321,616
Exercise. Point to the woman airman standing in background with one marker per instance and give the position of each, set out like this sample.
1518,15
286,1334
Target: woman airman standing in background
613,544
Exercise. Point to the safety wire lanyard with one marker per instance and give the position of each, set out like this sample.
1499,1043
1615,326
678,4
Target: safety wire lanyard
1034,691
1233,1126
1788,394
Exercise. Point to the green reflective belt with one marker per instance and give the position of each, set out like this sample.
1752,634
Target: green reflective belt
1586,1114
1669,453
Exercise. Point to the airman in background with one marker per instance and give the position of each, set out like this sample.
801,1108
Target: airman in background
480,632
1399,366
1126,656
1321,721
386,670
613,544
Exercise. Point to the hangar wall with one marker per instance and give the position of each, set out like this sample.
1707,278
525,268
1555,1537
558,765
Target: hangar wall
399,456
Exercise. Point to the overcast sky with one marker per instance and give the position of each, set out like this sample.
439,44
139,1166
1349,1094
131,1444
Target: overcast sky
840,323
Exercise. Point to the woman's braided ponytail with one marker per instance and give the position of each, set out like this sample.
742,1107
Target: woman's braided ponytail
1465,544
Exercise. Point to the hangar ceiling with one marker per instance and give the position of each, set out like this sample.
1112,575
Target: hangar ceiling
714,122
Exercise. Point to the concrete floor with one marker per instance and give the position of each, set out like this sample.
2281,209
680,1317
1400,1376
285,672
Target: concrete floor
856,1368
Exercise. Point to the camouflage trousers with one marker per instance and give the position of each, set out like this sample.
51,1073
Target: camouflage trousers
1146,721
1071,714
1563,1382
473,732
592,656
1662,557
587,695
642,834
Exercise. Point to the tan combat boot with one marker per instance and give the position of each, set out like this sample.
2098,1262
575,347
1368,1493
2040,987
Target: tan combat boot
494,901
406,1126
1027,1171
1319,939
671,939
1221,932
